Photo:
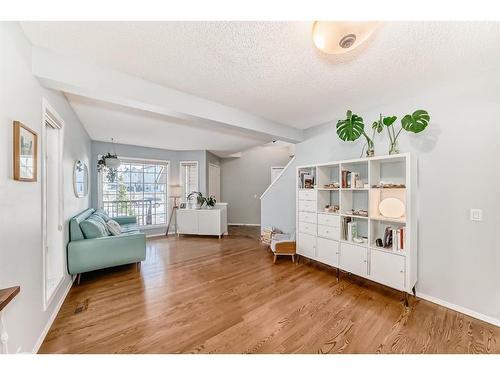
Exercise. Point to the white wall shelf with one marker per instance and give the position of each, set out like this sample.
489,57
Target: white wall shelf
321,236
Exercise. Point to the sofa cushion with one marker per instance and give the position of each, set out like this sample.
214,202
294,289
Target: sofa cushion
103,215
93,229
100,220
126,228
113,227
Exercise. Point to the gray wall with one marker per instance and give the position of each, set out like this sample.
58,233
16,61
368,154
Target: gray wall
459,261
21,261
211,159
244,179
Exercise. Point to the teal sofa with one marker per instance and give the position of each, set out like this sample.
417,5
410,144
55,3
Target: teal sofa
103,250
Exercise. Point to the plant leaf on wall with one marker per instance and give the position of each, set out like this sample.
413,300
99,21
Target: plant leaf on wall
388,121
351,128
415,122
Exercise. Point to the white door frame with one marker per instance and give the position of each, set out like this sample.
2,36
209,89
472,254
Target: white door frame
208,187
50,115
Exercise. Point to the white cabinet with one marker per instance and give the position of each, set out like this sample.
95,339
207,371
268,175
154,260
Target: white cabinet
211,222
308,217
354,259
307,206
327,251
306,245
328,219
388,269
307,195
307,228
331,233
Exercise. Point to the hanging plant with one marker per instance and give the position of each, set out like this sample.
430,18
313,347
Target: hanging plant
104,165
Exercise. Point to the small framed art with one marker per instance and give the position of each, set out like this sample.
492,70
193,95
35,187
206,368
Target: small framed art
25,153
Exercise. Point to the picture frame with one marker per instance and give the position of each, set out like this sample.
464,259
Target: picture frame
25,153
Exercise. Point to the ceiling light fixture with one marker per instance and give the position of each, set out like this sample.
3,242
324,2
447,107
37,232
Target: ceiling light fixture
336,37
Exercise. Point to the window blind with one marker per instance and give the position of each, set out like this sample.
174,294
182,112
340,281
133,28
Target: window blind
189,178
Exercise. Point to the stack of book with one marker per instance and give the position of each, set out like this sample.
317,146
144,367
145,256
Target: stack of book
349,228
351,180
395,238
306,180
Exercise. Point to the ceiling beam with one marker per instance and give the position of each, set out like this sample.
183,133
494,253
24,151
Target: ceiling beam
90,80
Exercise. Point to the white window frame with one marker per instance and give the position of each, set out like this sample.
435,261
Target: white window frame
146,160
181,182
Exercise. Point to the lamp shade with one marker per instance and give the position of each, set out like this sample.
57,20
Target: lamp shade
174,191
336,37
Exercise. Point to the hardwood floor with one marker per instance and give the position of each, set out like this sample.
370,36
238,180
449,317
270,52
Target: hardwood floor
205,295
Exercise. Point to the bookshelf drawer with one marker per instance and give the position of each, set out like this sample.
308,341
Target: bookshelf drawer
308,217
387,269
328,232
331,220
307,206
354,259
327,252
306,245
307,195
307,228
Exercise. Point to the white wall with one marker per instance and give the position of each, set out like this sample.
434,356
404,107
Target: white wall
244,179
458,155
20,202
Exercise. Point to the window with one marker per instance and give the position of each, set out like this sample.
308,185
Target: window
189,178
139,188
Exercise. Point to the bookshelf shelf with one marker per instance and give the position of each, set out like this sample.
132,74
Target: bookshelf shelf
331,244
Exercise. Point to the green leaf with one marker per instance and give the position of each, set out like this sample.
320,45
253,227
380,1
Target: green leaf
415,122
351,128
377,125
388,121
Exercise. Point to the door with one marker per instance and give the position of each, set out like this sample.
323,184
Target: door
52,198
388,269
306,245
354,259
187,221
328,251
209,222
214,181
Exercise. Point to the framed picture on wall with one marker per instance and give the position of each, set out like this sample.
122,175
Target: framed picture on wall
25,153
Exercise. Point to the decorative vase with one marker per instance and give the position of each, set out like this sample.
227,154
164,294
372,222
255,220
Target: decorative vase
394,149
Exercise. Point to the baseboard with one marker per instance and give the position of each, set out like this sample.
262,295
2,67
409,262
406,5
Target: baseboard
460,309
244,224
39,342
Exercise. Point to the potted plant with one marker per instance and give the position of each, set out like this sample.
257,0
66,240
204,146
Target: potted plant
210,201
199,199
351,128
108,163
415,123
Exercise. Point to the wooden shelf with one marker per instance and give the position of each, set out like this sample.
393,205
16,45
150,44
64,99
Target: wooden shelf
7,295
375,247
355,189
389,219
328,213
355,216
362,244
328,189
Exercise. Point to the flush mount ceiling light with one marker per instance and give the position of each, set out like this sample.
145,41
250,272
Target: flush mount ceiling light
336,37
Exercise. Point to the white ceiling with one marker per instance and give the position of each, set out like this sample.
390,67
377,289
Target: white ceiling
271,69
104,121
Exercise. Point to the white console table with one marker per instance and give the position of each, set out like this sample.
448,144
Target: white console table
207,222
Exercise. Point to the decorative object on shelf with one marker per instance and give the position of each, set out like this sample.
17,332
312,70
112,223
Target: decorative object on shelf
80,179
332,185
388,185
379,242
332,208
337,37
351,128
109,163
199,199
362,213
210,201
415,123
392,208
25,153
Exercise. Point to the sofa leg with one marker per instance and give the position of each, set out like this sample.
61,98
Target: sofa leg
78,278
138,266
293,258
274,260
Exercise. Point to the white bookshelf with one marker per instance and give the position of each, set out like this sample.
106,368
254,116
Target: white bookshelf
320,235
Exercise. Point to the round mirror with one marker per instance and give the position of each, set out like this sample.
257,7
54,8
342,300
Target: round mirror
81,179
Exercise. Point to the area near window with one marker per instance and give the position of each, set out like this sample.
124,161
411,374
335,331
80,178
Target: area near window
188,178
139,188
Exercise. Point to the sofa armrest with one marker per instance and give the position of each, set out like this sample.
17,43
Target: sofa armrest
125,219
93,254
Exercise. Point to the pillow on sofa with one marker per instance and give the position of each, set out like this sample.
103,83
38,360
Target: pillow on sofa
100,220
103,214
93,229
114,228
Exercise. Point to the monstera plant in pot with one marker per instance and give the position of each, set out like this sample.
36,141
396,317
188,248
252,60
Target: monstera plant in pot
351,128
210,201
199,199
414,123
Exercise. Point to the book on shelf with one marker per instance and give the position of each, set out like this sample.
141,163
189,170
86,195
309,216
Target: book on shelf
306,180
394,238
352,230
345,228
351,180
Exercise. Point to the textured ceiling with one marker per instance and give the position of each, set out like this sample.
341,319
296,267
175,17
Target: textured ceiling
271,69
130,126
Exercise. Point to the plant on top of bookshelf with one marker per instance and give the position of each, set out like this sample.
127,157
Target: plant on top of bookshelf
351,128
415,123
